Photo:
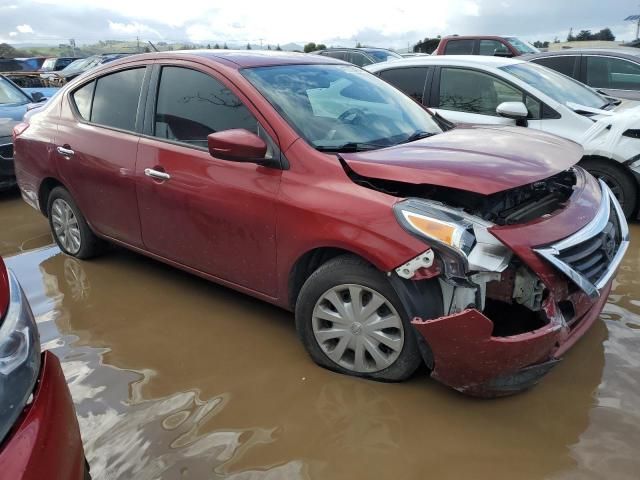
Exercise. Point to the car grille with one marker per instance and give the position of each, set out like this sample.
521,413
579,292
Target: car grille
591,256
6,151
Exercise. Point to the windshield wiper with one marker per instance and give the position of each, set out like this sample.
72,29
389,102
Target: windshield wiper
417,135
350,147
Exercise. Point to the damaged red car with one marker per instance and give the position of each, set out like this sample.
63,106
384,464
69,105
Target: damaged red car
484,252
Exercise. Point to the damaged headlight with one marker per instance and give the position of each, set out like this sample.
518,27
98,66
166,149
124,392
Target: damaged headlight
461,240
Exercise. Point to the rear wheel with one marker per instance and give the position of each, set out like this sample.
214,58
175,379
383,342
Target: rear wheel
351,321
69,227
622,184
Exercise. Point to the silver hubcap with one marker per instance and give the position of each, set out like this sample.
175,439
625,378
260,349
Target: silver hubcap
358,328
65,226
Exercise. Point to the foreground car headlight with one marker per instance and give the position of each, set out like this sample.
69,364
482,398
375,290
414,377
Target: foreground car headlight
461,240
19,357
449,232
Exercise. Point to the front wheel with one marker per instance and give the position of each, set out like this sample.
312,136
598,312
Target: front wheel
69,227
351,321
622,184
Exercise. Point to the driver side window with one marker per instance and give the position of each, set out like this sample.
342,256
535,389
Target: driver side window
192,104
474,92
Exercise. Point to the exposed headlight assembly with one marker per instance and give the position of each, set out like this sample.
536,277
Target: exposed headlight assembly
461,240
19,357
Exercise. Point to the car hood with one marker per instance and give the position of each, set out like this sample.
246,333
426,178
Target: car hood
9,116
480,159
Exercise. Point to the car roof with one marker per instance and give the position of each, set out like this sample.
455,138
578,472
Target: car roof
457,60
240,58
480,37
623,52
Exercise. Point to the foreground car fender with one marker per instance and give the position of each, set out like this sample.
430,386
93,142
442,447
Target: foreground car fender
45,442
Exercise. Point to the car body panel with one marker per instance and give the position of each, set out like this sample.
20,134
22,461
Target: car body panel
45,442
453,159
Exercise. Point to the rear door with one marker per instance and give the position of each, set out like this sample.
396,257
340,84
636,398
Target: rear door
568,65
96,147
212,215
463,95
617,77
411,80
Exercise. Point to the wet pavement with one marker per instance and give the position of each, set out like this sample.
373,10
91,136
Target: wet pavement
174,377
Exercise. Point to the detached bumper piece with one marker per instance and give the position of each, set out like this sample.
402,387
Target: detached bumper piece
469,359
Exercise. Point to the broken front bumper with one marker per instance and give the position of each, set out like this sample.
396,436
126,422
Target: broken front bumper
469,359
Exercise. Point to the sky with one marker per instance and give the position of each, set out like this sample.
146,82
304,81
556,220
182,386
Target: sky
332,22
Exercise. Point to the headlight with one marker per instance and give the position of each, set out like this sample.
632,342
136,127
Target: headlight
19,357
461,240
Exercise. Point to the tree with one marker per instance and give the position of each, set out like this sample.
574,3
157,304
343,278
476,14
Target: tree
7,51
216,46
358,45
321,46
606,34
278,48
584,35
570,37
225,46
268,47
539,44
208,46
248,46
309,47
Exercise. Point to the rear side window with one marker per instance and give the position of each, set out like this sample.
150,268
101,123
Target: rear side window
82,99
410,80
563,64
459,47
338,55
359,59
614,73
191,105
115,100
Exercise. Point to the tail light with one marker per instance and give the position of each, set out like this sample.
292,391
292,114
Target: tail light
19,129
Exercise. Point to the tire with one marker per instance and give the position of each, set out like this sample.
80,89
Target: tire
77,240
343,275
622,183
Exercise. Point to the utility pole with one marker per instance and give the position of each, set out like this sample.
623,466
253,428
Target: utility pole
635,18
261,39
72,42
138,42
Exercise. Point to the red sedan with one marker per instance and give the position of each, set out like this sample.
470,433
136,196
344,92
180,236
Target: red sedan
38,426
483,252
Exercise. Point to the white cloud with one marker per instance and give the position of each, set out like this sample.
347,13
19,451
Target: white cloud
13,34
24,28
132,28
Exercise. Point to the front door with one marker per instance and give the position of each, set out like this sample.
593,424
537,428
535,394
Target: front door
212,215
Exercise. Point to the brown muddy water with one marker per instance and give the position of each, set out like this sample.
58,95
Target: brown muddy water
177,378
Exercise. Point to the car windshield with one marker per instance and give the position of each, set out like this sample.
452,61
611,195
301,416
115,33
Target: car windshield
383,55
78,64
522,46
341,107
10,94
557,86
48,65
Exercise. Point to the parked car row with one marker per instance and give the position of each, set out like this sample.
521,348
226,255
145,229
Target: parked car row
484,252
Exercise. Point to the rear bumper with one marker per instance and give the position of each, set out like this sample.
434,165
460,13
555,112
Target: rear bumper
45,442
469,359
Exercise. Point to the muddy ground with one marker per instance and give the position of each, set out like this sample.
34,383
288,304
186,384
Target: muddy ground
174,377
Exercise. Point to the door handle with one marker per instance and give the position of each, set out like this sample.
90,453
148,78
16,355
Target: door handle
157,174
65,152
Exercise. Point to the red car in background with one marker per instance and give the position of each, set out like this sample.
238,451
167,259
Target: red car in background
484,45
397,240
39,433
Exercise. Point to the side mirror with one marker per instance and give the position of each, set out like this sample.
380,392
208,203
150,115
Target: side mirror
237,145
513,110
38,97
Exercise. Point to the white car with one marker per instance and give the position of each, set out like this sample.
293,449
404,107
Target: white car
491,90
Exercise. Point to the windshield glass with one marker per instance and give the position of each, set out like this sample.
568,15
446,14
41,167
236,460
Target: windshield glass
383,55
557,86
336,107
49,64
522,46
78,64
10,94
